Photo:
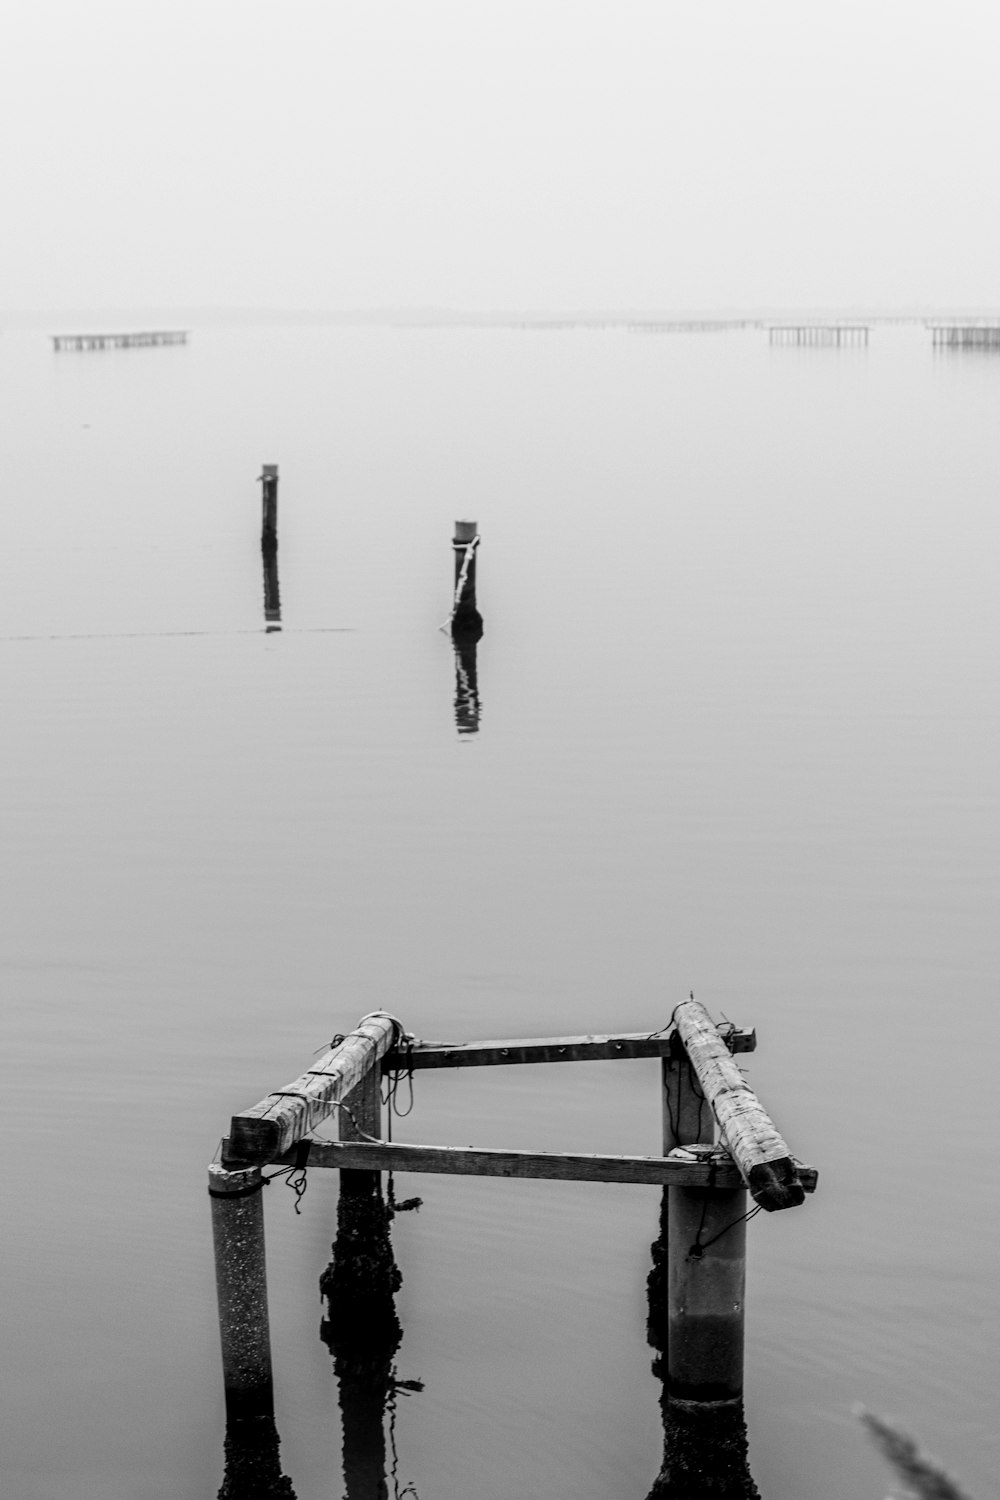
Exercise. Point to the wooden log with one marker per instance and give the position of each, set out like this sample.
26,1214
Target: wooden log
241,1284
469,1161
269,519
593,1048
748,1131
285,1116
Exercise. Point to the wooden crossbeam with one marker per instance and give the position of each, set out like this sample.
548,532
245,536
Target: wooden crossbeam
604,1047
259,1134
467,1161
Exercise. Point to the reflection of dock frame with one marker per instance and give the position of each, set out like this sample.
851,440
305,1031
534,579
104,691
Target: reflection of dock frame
821,335
718,1143
969,336
81,341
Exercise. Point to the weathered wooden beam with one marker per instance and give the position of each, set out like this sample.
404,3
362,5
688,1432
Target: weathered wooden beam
748,1131
284,1117
468,1161
549,1049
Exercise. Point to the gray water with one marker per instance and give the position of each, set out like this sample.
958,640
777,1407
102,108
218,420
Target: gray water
738,735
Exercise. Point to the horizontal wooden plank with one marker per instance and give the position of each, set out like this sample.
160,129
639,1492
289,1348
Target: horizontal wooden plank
748,1131
468,1161
549,1049
259,1134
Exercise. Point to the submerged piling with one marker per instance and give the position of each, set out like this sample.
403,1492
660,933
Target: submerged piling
697,1306
252,1463
241,1282
706,1290
704,1441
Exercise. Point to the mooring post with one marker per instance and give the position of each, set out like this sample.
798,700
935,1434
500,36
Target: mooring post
705,1238
241,1282
687,1115
706,1286
360,1117
465,618
696,1300
272,591
269,525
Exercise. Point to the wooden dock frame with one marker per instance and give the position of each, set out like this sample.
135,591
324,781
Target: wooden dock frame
718,1144
965,336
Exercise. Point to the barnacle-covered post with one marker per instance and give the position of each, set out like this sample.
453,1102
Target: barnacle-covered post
280,1122
241,1281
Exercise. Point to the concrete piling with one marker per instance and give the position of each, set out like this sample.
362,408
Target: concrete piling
241,1284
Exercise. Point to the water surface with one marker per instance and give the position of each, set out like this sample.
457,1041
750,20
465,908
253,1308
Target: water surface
736,731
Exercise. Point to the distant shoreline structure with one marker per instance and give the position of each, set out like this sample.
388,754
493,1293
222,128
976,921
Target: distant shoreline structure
197,317
84,341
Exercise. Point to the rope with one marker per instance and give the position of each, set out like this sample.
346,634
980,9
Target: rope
463,575
407,1387
699,1247
392,1083
295,1176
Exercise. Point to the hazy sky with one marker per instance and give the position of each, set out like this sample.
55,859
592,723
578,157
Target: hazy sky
499,153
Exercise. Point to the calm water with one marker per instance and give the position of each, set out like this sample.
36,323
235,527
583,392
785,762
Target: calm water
738,734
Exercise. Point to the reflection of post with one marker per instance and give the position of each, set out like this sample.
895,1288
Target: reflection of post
467,708
704,1439
362,1330
253,1469
272,595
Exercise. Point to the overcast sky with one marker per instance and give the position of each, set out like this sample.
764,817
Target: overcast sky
493,154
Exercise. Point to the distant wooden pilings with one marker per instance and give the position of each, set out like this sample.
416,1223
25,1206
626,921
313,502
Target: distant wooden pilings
820,335
965,336
85,341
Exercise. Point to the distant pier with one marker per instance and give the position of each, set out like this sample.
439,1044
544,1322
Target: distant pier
79,341
821,335
686,325
969,336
